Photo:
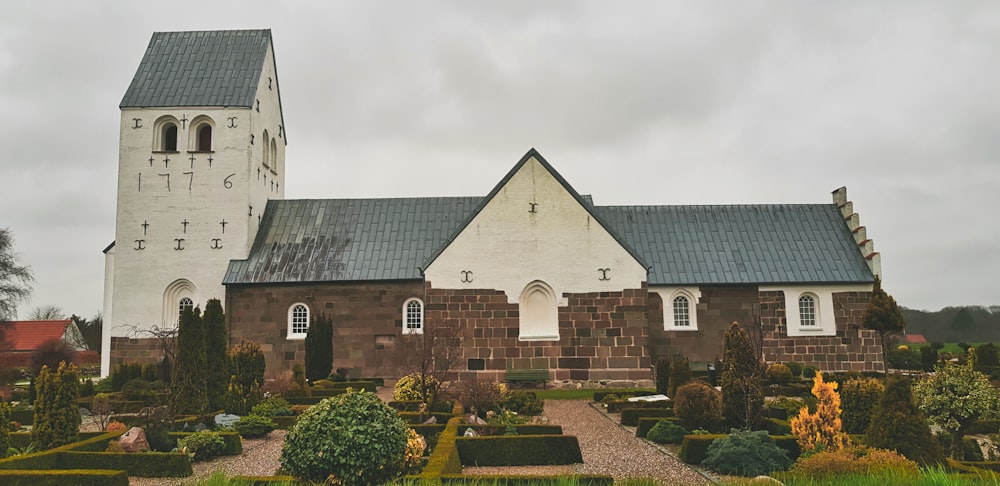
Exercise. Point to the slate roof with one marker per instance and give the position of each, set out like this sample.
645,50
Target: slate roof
27,335
320,240
741,244
390,239
199,68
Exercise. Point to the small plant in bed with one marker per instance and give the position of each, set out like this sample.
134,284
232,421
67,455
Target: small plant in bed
666,432
253,426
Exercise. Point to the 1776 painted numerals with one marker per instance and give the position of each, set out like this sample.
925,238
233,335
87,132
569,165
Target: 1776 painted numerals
228,184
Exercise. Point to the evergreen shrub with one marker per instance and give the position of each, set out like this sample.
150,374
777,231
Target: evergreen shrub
4,428
204,445
855,461
680,373
742,389
252,426
899,425
694,448
631,416
859,398
616,406
319,348
778,374
809,372
522,403
795,367
189,384
661,373
353,438
273,406
647,423
57,411
216,359
76,477
520,450
698,405
775,426
409,387
745,453
665,432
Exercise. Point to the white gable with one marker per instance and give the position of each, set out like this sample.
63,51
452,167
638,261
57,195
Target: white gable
532,229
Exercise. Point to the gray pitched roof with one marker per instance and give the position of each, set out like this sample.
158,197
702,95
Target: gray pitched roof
199,68
320,240
762,244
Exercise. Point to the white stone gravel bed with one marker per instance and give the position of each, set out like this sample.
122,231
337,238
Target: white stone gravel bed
607,449
259,458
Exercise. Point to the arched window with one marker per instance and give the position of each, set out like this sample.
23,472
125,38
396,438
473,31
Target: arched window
170,138
186,303
807,310
413,316
539,314
298,321
274,156
682,311
265,152
205,138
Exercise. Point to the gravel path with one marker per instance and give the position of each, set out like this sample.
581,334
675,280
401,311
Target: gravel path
259,458
607,449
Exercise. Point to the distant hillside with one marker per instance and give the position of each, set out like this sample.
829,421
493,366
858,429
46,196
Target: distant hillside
955,324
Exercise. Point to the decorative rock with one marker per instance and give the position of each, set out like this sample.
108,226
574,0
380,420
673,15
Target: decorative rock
470,433
226,419
475,420
649,398
134,440
432,420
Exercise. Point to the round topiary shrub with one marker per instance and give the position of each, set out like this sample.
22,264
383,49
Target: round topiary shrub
778,374
352,438
273,406
666,432
795,368
745,453
698,405
408,388
204,445
809,372
859,397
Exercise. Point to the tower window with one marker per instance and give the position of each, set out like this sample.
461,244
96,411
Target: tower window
186,303
682,311
205,138
169,138
265,153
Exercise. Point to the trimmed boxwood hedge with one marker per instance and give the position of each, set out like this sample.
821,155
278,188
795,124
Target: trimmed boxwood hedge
284,422
519,450
647,423
984,427
444,459
89,477
694,448
145,465
774,426
616,406
405,405
522,429
234,443
635,392
525,480
417,418
631,416
21,440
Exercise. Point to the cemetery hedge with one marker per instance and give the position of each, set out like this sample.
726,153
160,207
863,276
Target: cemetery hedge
616,406
623,392
631,416
234,444
526,480
520,450
81,477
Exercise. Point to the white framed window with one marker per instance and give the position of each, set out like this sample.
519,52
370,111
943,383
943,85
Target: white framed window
165,134
538,313
179,294
807,310
680,307
186,303
298,321
413,316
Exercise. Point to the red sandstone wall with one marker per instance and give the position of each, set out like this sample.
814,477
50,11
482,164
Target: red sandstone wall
360,311
853,348
716,310
603,335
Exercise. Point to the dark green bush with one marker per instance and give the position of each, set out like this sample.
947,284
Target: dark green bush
795,368
246,362
899,425
522,450
139,390
355,438
631,416
698,405
694,448
858,400
616,406
746,453
319,347
904,359
57,411
251,426
528,480
742,390
778,374
522,403
984,427
147,465
775,426
232,443
809,372
273,406
77,477
204,445
987,355
647,423
4,428
928,358
666,432
661,375
680,374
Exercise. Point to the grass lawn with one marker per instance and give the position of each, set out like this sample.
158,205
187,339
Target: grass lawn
948,347
582,394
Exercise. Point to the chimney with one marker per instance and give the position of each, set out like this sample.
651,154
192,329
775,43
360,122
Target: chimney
853,222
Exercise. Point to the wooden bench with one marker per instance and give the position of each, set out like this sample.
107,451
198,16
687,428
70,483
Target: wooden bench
528,376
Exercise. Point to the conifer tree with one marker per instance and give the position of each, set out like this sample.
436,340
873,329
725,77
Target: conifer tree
680,373
883,315
319,348
4,428
859,398
188,388
246,365
216,360
742,386
822,430
57,409
899,425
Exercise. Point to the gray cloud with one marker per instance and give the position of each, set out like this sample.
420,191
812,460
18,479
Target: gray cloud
637,103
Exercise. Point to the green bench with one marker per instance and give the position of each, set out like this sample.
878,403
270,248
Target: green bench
528,376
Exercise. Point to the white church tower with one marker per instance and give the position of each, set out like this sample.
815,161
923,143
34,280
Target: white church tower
202,150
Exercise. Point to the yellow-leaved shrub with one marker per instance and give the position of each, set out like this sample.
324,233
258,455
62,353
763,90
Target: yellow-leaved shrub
822,430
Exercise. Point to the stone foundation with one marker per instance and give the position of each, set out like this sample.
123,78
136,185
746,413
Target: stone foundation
135,350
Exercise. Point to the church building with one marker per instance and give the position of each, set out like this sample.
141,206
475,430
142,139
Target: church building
532,275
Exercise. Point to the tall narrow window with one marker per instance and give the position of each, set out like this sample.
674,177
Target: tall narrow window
169,138
274,156
205,138
186,303
265,152
413,317
298,321
807,310
682,311
539,313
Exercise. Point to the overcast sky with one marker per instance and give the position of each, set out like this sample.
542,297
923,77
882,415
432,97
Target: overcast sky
634,102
